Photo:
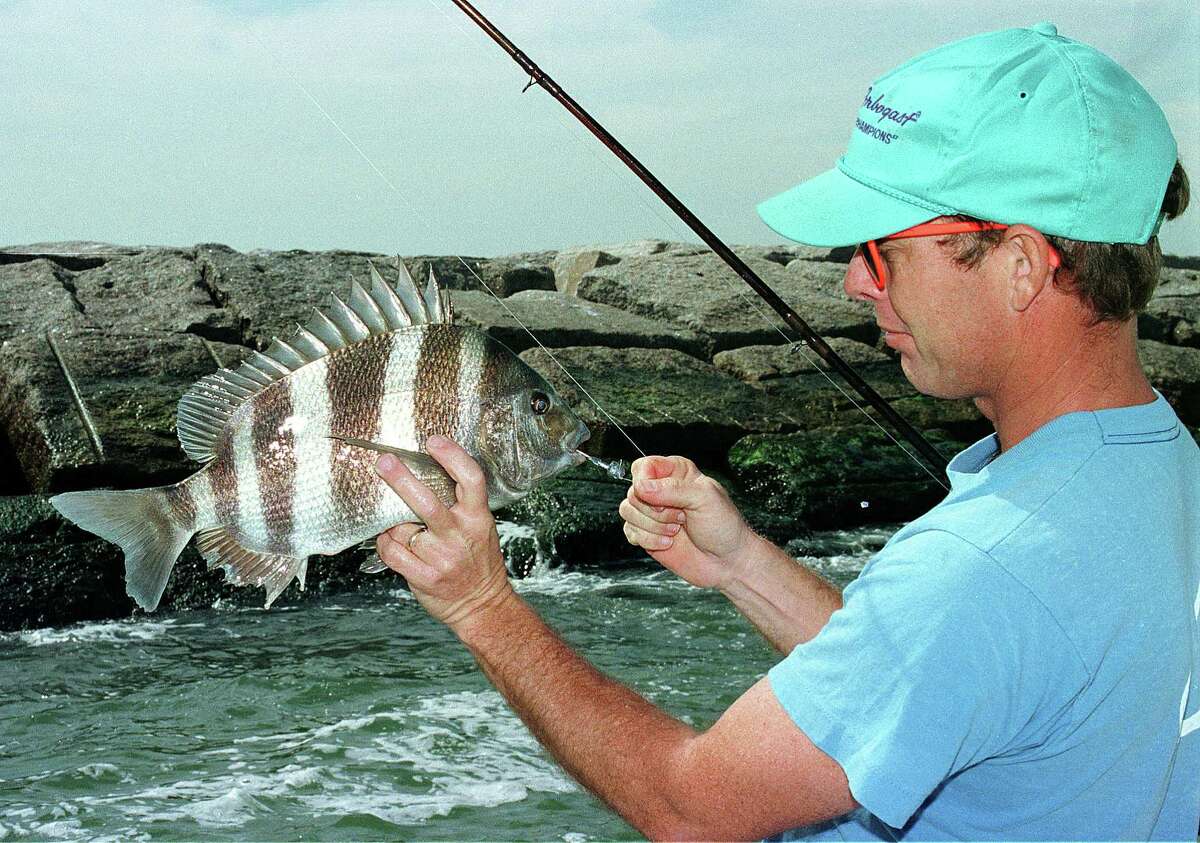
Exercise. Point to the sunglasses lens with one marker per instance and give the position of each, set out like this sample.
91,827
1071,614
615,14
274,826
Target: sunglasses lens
868,254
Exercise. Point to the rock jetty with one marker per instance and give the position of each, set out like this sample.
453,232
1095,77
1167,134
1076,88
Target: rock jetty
667,352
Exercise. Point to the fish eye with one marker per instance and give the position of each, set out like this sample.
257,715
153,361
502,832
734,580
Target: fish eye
539,403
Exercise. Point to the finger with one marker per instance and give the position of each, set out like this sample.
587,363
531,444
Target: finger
404,533
641,515
416,495
397,556
647,541
681,492
665,514
645,468
460,465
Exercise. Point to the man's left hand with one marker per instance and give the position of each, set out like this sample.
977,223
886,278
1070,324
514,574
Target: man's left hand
452,563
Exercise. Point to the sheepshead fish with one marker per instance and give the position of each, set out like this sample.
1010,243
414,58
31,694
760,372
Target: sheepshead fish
289,440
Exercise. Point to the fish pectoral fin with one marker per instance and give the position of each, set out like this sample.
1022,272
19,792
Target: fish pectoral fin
424,467
373,566
249,567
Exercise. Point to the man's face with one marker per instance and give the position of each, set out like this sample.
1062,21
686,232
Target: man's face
950,325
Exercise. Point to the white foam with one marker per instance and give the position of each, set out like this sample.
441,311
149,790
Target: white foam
114,632
559,583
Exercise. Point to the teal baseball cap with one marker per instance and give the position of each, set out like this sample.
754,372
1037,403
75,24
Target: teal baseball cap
1016,126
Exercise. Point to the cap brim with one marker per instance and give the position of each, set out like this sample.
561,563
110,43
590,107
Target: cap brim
833,209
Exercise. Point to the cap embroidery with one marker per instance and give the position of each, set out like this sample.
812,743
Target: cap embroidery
885,112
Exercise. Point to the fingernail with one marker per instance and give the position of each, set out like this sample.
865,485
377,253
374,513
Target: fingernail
672,529
680,517
659,508
436,441
649,485
664,541
385,464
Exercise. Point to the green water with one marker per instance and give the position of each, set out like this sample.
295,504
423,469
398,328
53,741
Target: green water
353,718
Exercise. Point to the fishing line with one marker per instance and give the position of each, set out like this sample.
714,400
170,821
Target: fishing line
296,81
798,345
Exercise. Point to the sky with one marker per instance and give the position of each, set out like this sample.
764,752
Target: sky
398,127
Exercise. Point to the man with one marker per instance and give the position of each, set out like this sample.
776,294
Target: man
1023,661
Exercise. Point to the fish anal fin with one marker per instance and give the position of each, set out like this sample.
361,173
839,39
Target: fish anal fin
242,566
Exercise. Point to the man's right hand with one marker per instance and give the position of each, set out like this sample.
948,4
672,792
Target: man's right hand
685,521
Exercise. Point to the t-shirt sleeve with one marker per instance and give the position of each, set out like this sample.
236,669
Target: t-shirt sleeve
913,679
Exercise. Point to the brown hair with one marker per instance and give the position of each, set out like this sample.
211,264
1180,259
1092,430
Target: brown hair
1115,280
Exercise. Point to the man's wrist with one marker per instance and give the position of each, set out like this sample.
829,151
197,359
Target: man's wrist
484,618
743,562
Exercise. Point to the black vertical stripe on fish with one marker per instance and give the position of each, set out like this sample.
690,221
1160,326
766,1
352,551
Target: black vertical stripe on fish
223,477
275,463
355,379
436,389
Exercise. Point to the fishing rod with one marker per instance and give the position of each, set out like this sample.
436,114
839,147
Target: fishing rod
538,77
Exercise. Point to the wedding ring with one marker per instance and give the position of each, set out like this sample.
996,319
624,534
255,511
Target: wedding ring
413,537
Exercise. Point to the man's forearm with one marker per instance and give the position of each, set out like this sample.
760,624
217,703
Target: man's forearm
787,602
605,735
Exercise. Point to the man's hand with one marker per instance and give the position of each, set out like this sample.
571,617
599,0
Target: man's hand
453,562
685,521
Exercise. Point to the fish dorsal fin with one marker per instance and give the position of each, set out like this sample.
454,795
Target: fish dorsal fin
206,408
410,295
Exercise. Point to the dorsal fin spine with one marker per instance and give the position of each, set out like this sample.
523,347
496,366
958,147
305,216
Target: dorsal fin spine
205,410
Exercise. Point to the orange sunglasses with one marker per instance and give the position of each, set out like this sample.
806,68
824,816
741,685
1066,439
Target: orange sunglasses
878,267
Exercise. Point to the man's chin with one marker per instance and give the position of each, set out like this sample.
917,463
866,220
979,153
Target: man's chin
928,385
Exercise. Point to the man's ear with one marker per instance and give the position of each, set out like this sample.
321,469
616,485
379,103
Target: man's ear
1026,258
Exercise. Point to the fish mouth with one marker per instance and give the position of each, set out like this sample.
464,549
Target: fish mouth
572,442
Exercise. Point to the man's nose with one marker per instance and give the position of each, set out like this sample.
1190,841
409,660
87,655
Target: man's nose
859,283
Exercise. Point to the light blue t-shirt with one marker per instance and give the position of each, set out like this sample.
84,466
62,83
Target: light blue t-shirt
1023,661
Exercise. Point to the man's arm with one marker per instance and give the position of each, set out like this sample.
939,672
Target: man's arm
686,522
753,773
785,601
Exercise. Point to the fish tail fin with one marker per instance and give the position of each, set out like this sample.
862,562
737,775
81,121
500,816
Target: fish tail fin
145,524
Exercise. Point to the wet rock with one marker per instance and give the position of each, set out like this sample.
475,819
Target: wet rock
159,288
574,518
700,293
1175,372
74,255
137,326
798,380
665,400
571,265
265,294
130,384
561,320
851,477
51,575
1173,314
37,296
757,363
504,276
